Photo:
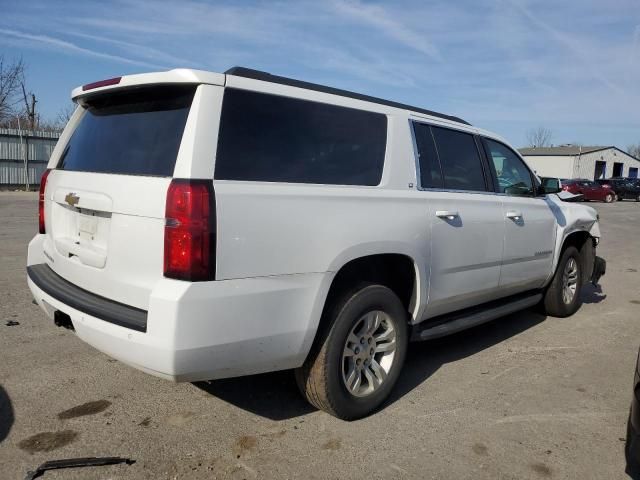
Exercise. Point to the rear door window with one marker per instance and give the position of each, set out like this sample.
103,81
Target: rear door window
460,160
272,138
133,132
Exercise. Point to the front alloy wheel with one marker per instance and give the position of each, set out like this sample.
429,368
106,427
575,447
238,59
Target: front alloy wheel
570,281
562,296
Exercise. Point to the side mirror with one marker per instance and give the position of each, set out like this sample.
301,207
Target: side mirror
546,190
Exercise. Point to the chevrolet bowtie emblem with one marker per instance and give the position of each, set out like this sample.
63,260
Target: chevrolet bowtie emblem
72,199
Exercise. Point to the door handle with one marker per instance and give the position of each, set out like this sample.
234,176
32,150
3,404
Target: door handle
514,215
448,214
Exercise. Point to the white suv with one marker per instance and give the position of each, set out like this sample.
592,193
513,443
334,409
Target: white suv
200,225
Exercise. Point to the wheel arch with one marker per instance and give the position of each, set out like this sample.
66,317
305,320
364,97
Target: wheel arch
396,268
585,243
397,271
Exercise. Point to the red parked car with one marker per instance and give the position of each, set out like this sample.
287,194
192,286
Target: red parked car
589,189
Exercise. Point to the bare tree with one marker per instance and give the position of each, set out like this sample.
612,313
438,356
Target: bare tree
539,137
11,81
634,150
57,124
18,118
64,115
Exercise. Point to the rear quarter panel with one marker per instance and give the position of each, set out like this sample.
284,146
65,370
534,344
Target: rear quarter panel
266,229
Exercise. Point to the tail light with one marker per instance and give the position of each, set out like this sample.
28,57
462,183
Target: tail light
43,187
189,232
565,187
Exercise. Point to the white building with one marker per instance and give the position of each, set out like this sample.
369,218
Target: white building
571,161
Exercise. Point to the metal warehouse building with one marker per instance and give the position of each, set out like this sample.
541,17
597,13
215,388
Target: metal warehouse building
14,144
571,161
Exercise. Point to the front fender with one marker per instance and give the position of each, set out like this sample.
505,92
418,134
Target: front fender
572,218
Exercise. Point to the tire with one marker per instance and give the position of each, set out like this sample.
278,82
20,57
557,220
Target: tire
633,469
608,198
638,198
554,300
323,377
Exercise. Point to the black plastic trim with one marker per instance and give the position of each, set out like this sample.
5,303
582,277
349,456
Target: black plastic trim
90,303
267,77
490,179
453,322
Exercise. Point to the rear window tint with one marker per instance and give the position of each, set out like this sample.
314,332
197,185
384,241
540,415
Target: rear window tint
460,160
136,132
272,138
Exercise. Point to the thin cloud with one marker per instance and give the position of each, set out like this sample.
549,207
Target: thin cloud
635,49
364,67
503,65
575,47
48,41
377,17
142,50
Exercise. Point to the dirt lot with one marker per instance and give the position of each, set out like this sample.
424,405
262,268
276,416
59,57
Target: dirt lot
523,397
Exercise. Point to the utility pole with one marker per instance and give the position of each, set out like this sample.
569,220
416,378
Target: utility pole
24,150
31,113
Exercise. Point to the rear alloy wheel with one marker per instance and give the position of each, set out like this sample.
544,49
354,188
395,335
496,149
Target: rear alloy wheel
357,357
562,297
368,354
608,198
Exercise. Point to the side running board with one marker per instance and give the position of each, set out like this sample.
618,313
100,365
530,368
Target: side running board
456,322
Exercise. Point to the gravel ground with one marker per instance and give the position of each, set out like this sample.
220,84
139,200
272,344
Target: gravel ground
523,397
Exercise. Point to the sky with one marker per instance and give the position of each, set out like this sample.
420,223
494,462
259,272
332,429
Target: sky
505,65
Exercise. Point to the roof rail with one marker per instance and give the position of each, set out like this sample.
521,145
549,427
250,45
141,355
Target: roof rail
267,77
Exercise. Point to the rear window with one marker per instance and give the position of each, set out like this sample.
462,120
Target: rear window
135,132
272,138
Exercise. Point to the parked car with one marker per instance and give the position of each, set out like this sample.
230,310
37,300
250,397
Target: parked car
632,180
623,188
200,225
589,189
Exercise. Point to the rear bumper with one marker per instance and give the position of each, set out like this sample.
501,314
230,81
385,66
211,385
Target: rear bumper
207,330
75,297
